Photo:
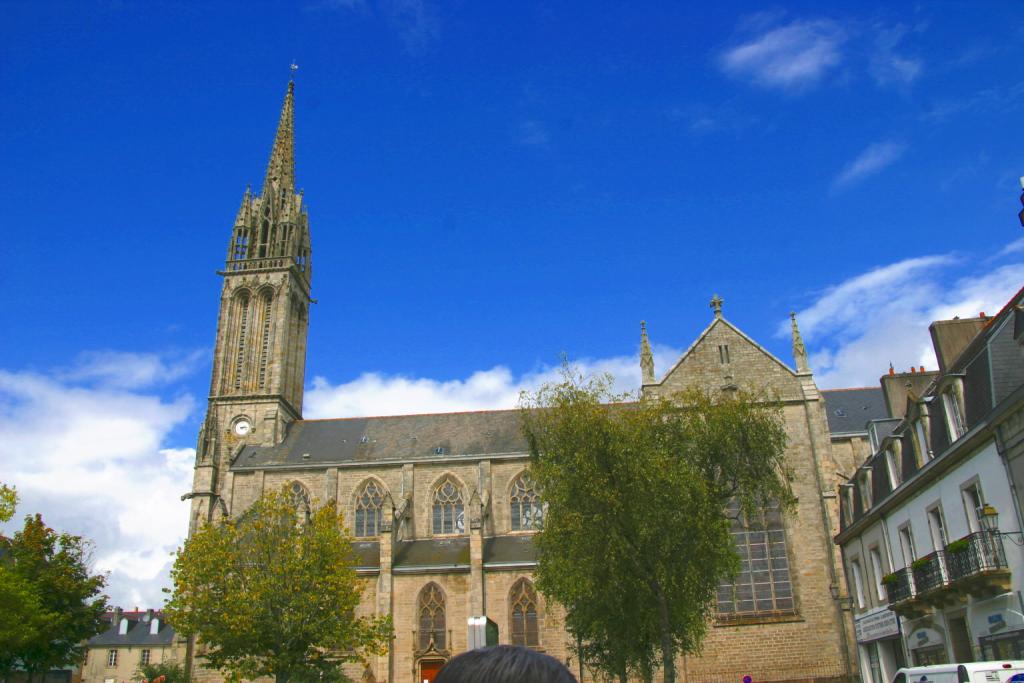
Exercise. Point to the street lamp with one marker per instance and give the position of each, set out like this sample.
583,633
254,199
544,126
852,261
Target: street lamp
989,518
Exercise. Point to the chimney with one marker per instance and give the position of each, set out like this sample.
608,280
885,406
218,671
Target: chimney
921,369
981,315
892,370
951,337
912,369
116,620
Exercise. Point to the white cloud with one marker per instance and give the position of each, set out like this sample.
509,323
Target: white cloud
873,159
887,66
789,57
93,461
497,388
126,370
857,327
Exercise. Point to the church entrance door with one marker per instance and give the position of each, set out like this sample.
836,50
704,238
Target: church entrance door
429,669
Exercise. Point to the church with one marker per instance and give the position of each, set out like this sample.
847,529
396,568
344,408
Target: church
442,507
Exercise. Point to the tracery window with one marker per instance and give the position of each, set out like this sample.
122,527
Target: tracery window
431,617
266,306
368,510
527,510
763,585
242,306
449,516
523,614
300,498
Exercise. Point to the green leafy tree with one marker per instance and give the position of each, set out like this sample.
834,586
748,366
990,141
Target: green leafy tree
168,671
636,540
49,602
270,594
8,502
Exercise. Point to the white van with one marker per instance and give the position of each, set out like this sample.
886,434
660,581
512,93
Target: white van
970,672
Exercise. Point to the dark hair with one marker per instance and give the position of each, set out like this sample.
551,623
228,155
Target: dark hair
504,664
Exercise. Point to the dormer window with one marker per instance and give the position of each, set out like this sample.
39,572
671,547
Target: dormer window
892,467
864,482
954,415
122,627
847,490
924,452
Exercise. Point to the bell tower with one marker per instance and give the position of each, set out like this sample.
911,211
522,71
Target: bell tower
259,357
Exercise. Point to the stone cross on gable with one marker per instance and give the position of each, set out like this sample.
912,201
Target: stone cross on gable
716,305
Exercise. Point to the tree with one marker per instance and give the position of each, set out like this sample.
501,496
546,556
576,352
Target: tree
8,502
274,592
168,671
636,539
49,602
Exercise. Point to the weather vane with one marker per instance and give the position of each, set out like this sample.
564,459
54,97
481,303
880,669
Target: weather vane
294,67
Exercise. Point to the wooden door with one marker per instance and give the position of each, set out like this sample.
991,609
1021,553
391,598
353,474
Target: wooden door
429,669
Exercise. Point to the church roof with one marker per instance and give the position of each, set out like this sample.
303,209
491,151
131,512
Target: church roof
849,410
447,554
402,438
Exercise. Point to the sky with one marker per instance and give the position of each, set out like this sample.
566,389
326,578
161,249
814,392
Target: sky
490,186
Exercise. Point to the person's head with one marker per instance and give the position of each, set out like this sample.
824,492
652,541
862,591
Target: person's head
504,664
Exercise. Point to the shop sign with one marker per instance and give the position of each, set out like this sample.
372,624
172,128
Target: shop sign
880,623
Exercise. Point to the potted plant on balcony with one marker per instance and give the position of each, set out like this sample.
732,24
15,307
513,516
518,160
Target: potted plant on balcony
920,563
958,546
890,579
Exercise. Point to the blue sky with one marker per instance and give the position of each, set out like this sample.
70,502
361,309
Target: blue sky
488,187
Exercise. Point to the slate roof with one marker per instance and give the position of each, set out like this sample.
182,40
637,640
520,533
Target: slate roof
138,631
850,409
451,554
407,438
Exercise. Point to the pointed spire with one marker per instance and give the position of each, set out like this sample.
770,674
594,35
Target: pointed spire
281,168
646,357
799,350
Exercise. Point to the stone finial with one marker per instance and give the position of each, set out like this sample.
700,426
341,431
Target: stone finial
716,305
646,357
281,167
799,350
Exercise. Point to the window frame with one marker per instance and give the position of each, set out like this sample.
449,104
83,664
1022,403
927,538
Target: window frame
893,467
875,554
972,509
455,505
521,590
111,659
858,583
363,512
526,495
144,657
905,533
937,527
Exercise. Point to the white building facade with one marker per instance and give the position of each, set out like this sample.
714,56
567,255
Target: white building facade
930,522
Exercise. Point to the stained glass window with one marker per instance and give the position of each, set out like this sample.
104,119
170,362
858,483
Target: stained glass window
431,617
763,585
448,509
368,510
523,614
527,510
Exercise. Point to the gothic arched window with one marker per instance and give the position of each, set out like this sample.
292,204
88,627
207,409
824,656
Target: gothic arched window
300,498
448,509
369,505
242,309
522,610
527,510
265,310
430,612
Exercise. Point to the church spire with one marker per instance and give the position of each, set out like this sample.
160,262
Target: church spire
646,357
799,350
281,168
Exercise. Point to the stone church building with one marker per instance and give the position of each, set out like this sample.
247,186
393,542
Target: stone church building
442,506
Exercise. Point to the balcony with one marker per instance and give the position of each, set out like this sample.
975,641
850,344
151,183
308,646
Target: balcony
974,565
977,565
899,589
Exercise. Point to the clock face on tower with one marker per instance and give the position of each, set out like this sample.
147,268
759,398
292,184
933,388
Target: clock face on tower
242,427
